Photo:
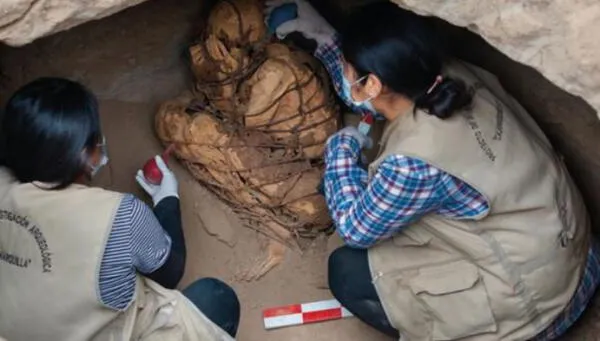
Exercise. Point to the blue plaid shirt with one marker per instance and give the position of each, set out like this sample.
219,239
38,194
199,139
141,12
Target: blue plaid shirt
402,191
405,189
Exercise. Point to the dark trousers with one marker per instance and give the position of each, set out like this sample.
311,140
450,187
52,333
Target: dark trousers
215,299
351,283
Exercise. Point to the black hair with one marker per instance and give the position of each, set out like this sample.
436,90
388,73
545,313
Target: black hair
46,126
403,50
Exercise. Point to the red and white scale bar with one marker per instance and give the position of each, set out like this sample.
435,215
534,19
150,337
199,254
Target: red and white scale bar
297,314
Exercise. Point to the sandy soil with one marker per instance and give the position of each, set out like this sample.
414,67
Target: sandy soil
133,61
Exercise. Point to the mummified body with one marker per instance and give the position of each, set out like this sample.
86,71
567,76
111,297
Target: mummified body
254,129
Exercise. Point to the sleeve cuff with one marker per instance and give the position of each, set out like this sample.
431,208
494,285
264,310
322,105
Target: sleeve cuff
169,200
342,144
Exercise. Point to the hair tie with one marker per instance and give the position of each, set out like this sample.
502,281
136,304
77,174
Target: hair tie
437,82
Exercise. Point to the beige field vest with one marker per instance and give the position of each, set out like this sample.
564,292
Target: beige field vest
51,247
508,273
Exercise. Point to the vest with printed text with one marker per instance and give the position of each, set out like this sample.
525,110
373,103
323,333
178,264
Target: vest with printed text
51,247
507,273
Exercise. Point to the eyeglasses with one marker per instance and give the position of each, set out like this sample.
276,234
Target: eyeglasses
359,80
102,146
103,143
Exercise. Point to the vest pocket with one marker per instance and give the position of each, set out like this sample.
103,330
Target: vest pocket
456,299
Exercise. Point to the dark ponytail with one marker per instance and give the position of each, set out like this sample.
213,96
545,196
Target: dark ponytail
403,50
445,98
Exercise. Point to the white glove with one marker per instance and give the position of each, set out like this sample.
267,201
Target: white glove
168,186
364,141
308,22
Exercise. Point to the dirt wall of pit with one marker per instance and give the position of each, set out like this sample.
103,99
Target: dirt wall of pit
555,37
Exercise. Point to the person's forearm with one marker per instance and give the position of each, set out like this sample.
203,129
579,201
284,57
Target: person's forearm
369,210
330,55
344,184
168,214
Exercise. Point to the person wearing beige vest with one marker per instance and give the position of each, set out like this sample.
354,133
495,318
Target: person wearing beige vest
467,225
83,263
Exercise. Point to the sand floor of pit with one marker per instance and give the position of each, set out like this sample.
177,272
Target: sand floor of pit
133,61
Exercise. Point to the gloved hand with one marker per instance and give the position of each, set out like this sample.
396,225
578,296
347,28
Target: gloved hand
364,141
168,186
308,22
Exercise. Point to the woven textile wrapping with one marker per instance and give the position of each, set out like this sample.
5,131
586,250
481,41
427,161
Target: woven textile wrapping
254,127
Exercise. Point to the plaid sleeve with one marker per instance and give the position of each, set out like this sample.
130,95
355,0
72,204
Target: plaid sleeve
401,192
331,57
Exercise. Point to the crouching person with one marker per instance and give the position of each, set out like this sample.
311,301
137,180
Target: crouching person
83,263
467,225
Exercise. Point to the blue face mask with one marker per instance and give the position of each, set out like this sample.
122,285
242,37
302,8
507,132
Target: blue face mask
347,92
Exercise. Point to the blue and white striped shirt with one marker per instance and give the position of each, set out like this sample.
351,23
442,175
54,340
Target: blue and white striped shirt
137,243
